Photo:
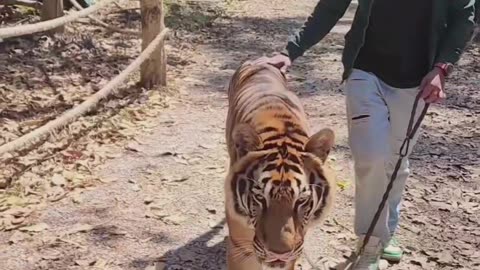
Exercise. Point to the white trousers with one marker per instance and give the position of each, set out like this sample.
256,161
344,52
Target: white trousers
378,117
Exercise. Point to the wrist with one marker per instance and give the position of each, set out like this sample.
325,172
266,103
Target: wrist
445,68
440,72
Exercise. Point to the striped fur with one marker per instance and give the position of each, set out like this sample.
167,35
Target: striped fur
278,185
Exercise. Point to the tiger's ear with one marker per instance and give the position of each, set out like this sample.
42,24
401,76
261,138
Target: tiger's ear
245,139
321,143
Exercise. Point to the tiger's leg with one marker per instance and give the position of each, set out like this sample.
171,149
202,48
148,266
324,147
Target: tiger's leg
238,259
240,253
292,267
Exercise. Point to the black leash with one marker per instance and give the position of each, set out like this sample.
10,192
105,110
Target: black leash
411,131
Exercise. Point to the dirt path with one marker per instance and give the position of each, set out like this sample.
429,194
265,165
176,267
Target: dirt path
163,200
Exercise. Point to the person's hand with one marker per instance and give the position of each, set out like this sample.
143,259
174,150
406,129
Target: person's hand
280,61
432,86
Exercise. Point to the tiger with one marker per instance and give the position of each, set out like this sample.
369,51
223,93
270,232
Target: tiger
278,183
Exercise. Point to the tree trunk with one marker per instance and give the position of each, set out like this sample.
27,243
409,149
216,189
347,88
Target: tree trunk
153,70
52,9
476,32
477,12
476,35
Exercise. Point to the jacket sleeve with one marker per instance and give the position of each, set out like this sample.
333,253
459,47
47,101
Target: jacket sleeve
460,25
324,17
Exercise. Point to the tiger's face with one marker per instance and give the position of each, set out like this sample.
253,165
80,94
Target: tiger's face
279,193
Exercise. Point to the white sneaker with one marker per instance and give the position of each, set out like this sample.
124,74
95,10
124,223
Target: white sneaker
370,257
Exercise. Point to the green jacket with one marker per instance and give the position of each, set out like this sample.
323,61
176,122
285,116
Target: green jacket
451,28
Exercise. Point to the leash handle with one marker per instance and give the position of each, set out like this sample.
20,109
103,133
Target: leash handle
404,149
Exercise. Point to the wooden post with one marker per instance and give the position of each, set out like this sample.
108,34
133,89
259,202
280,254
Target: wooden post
477,13
52,9
476,30
154,70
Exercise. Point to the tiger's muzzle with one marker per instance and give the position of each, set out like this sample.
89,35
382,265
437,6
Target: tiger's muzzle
274,257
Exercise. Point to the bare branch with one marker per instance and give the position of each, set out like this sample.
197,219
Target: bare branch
26,3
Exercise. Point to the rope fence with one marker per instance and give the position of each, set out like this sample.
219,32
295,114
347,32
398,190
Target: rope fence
88,104
28,29
101,23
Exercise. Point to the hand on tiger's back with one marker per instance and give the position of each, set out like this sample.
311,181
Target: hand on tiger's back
280,61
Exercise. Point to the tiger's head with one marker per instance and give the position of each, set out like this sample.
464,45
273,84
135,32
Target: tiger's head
279,191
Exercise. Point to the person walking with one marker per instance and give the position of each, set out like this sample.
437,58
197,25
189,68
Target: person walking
393,50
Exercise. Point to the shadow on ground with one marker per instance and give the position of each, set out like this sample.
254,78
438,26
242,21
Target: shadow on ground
196,254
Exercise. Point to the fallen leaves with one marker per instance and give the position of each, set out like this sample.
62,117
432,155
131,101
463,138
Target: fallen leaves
85,262
441,218
16,237
420,260
79,228
156,211
174,219
211,210
58,180
77,198
343,185
35,228
207,146
470,208
51,255
4,183
14,211
443,258
442,206
64,163
148,200
159,212
33,92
